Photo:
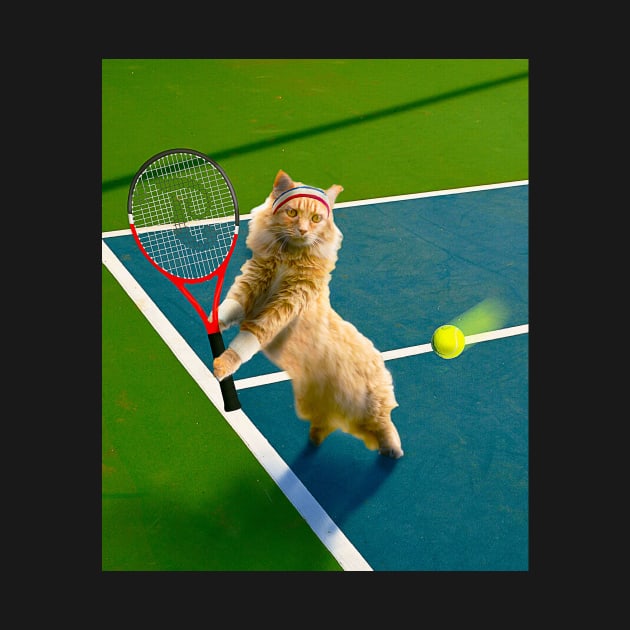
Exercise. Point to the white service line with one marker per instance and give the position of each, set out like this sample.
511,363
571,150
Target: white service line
388,355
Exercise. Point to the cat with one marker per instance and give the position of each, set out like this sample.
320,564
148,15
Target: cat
281,302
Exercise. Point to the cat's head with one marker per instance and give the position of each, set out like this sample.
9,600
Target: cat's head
296,218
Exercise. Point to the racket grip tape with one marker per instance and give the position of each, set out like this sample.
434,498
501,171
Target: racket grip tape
228,390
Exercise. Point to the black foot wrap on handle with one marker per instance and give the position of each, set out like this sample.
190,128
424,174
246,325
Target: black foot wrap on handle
228,390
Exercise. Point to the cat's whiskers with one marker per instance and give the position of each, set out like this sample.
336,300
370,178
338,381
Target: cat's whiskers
279,239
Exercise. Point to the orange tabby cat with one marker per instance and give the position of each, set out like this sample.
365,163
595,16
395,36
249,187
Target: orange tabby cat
281,301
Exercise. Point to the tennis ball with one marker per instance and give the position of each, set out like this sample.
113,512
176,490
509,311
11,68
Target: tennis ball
448,341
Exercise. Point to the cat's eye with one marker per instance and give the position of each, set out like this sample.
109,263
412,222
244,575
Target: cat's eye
316,218
291,212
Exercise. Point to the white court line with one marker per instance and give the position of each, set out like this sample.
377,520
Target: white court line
324,527
433,193
400,353
163,227
470,339
363,202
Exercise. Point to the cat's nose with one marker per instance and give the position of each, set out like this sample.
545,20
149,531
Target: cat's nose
302,231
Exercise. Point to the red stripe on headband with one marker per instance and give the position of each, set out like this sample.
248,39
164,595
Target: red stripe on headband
296,195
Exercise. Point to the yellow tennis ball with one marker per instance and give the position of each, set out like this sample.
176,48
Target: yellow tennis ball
448,341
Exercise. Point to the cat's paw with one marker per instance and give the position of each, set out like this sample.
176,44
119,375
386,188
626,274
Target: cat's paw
226,364
395,452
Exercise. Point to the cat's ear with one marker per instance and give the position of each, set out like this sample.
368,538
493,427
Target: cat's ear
333,191
282,182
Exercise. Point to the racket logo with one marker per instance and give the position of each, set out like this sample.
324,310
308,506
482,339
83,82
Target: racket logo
181,201
186,201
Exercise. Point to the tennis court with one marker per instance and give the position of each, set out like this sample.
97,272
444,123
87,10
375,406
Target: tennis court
411,260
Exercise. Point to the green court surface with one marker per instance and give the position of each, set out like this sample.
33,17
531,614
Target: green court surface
181,491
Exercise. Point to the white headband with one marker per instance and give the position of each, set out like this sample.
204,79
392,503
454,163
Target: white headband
301,191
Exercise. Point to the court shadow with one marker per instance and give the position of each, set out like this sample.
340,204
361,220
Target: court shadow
341,483
360,119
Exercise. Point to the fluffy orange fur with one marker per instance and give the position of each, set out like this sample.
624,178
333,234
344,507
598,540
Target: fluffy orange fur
339,378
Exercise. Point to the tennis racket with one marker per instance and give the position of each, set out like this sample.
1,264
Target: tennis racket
183,215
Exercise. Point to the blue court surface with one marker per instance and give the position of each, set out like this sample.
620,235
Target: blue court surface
459,498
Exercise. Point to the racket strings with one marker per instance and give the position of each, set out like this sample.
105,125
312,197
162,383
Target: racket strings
169,250
184,214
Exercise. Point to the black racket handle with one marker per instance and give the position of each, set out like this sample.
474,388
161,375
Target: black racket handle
228,390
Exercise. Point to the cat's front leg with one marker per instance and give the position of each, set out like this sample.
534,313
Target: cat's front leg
243,347
230,313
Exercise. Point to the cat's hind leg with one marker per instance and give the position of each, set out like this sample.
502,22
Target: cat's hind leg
389,442
378,434
319,432
381,434
321,426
